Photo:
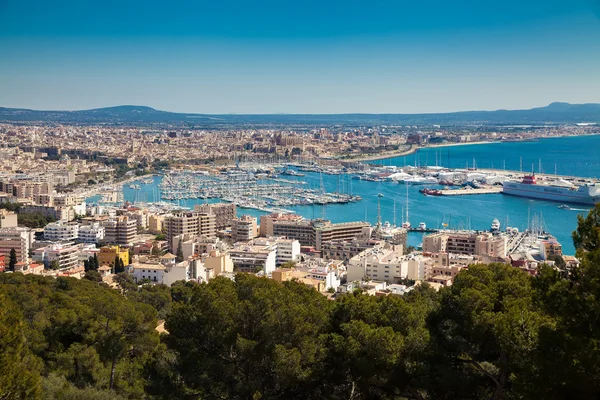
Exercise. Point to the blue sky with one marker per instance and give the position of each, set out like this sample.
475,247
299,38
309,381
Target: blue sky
299,56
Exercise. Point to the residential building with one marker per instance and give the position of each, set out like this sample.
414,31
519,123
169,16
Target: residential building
288,250
223,212
177,272
243,229
550,248
267,221
19,239
298,229
61,231
383,262
254,258
326,231
346,249
108,254
65,255
218,262
189,223
466,242
153,272
155,223
120,230
93,233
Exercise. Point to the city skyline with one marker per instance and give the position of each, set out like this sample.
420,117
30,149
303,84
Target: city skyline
387,57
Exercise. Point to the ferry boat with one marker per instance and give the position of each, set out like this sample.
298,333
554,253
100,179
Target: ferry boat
561,191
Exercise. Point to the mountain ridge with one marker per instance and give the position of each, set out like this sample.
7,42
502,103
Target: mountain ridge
556,112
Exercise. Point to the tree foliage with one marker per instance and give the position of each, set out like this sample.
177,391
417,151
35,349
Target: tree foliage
496,333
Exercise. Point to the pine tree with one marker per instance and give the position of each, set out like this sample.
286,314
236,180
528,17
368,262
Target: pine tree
96,262
12,260
179,252
119,265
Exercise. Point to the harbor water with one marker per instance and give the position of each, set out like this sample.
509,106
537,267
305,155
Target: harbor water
578,156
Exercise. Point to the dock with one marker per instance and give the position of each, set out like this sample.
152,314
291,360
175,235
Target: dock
464,192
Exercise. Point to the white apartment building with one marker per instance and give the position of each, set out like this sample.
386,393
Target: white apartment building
67,255
177,272
251,258
154,272
93,233
287,250
61,231
386,263
328,272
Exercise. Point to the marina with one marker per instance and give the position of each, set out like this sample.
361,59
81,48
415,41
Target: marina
452,212
263,192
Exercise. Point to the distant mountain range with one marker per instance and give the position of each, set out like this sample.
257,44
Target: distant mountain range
126,115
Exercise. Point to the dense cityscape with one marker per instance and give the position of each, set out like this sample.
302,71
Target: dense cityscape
312,200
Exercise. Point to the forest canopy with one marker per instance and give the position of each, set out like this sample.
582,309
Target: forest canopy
496,333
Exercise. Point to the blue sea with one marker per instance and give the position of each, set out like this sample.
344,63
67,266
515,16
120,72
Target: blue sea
578,156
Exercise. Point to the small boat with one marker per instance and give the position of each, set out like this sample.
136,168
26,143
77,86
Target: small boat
422,226
564,207
380,195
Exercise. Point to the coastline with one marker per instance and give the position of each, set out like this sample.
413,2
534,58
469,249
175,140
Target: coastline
413,149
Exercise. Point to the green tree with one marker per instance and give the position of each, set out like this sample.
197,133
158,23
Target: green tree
19,371
179,255
568,354
93,276
119,265
12,259
54,265
288,264
486,330
586,237
252,338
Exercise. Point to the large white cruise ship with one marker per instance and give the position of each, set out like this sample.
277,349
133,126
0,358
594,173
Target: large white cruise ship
561,191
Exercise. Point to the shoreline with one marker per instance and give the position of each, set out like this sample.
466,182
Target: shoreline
412,150
415,148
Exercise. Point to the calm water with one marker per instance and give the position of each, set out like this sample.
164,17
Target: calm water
572,156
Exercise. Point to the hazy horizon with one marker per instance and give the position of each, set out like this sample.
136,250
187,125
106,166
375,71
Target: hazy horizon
268,57
291,113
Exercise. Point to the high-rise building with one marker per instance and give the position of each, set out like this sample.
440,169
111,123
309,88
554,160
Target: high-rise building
189,223
66,255
120,230
60,231
267,221
223,212
243,228
93,233
19,239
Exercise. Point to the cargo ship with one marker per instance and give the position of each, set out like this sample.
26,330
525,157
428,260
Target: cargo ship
561,191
